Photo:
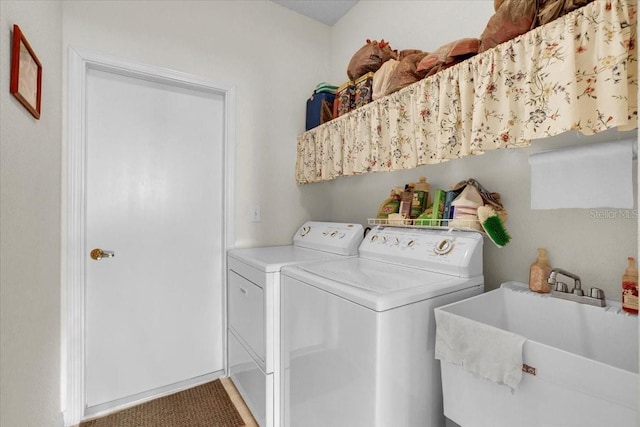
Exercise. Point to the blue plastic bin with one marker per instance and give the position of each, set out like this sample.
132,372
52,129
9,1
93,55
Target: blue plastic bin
314,108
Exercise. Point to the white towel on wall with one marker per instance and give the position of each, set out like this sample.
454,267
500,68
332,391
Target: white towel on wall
491,353
597,175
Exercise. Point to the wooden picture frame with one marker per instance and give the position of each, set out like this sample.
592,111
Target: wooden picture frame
26,73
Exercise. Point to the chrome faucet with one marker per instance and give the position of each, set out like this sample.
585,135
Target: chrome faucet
577,289
560,290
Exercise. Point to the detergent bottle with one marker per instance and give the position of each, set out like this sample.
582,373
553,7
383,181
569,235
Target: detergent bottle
420,197
390,205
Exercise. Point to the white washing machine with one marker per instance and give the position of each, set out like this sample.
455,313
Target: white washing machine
253,301
358,334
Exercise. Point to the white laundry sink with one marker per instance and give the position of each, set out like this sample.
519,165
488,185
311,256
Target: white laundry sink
582,363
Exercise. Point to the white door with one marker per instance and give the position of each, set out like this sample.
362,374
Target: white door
154,197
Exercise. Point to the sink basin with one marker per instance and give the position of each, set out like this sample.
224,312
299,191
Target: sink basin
580,363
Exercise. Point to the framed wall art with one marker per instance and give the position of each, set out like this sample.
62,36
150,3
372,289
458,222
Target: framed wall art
26,73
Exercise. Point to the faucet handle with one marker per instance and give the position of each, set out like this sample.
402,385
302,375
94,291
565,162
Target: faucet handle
561,287
597,293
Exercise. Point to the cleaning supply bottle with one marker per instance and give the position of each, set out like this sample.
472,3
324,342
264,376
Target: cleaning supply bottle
406,199
539,273
630,287
420,197
390,205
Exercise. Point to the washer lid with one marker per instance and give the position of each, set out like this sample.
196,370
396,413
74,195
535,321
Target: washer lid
272,258
378,285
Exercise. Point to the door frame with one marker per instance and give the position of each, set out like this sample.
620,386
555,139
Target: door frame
73,282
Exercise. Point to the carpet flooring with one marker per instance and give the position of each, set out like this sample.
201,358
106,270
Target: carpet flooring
207,405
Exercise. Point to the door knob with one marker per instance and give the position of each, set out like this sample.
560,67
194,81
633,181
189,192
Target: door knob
98,254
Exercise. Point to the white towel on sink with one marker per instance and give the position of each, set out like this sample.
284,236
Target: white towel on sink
491,353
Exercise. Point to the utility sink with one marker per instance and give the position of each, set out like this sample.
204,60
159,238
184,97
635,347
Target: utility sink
580,363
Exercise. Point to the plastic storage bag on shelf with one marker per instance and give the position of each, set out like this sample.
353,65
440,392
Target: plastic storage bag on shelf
369,58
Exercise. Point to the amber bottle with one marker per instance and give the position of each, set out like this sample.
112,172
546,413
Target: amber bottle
539,273
630,287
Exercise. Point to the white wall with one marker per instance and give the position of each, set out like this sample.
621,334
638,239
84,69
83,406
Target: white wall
273,56
577,240
30,225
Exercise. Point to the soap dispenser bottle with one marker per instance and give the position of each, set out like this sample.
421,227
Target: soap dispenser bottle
539,273
630,287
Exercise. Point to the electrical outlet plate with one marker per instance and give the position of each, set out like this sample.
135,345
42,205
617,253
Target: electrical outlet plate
254,213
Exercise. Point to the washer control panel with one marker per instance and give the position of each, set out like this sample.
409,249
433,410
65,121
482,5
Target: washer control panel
447,251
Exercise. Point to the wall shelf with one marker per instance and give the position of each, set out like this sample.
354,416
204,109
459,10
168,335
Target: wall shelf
442,224
578,72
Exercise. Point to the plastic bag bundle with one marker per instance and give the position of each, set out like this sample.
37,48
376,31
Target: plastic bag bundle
553,9
406,72
448,55
369,58
513,18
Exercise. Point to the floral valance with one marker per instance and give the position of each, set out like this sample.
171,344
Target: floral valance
578,72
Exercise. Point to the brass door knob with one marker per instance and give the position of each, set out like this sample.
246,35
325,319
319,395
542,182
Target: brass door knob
98,254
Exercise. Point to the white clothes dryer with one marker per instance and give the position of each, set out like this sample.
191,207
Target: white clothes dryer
358,334
253,301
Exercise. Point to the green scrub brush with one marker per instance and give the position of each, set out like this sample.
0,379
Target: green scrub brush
493,225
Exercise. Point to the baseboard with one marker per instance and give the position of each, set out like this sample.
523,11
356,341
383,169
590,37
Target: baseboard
129,401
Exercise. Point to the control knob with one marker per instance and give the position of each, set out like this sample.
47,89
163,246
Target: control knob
443,247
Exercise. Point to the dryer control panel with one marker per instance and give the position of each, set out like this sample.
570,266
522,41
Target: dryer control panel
454,252
334,237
